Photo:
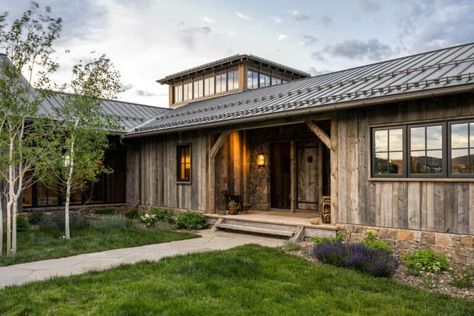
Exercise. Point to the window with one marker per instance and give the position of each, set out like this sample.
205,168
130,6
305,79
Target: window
461,148
198,88
209,88
188,91
388,152
184,163
178,94
252,79
221,83
275,81
233,80
264,80
426,149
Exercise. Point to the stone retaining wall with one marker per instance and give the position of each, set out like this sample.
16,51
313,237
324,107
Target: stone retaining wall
460,248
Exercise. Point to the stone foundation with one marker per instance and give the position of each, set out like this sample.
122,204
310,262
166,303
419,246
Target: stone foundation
460,248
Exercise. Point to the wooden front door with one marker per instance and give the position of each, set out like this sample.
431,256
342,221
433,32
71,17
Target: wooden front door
280,176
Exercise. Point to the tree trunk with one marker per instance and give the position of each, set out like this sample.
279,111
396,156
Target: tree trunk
14,215
1,225
68,187
9,229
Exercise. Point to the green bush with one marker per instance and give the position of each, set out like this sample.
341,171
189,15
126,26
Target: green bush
371,241
328,240
110,222
105,211
191,220
132,213
163,215
56,221
462,278
35,217
426,261
291,246
22,223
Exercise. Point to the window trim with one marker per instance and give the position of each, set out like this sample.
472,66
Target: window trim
457,175
178,163
372,152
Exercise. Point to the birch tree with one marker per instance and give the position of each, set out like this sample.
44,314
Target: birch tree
25,136
84,127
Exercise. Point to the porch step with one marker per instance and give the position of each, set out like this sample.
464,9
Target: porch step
255,229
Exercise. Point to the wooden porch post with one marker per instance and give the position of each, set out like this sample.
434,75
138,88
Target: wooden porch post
293,175
334,170
211,195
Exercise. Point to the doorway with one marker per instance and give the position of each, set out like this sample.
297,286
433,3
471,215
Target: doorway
280,175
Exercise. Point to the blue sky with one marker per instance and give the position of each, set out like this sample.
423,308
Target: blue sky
148,39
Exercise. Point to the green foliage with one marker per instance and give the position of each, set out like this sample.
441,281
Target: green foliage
105,211
426,261
191,220
132,213
22,223
163,215
331,240
35,217
371,241
291,246
110,222
55,221
462,278
248,280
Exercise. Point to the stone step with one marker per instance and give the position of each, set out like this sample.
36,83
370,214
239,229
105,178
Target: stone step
254,229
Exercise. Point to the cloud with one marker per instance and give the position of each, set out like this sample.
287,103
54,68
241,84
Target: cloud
370,6
189,35
308,40
242,16
314,72
318,56
298,16
208,20
127,87
143,93
373,49
325,21
276,19
282,37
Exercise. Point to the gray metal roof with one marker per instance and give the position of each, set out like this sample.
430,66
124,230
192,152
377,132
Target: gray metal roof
427,71
230,59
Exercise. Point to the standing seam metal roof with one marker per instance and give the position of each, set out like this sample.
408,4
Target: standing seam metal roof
442,68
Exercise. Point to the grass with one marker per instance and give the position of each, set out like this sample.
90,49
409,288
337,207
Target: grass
249,280
48,243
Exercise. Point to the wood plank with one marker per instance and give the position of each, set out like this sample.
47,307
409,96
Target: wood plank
414,201
319,133
403,205
438,207
463,208
334,170
293,176
471,208
450,208
211,170
430,209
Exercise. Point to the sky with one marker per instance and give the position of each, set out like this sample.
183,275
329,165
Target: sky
149,39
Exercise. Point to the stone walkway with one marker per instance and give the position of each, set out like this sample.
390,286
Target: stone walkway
41,270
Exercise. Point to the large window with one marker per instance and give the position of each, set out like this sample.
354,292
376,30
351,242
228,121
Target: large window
198,88
184,163
388,151
209,87
233,80
275,81
426,149
264,80
178,94
252,79
221,83
188,91
462,148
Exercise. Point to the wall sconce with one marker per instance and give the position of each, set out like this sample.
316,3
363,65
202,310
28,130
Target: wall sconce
261,160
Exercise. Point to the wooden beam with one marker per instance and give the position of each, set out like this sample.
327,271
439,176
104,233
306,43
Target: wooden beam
293,176
334,171
319,133
211,195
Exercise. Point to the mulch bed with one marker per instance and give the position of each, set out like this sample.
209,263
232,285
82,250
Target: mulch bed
441,283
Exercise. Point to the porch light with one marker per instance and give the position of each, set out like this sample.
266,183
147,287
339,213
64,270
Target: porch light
261,160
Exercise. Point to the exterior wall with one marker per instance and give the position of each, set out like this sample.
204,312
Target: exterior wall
442,205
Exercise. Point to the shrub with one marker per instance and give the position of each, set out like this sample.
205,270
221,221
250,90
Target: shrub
328,240
376,262
462,279
163,215
191,220
132,213
148,219
110,222
56,221
371,241
426,261
291,246
22,223
105,211
35,217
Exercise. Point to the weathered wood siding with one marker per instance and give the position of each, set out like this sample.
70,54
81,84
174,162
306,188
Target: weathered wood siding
421,205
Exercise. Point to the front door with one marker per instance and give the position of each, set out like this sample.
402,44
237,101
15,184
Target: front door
280,182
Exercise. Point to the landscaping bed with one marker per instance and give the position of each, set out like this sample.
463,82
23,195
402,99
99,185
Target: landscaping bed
248,280
41,236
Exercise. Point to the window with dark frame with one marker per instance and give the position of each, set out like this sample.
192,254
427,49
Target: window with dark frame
433,150
184,163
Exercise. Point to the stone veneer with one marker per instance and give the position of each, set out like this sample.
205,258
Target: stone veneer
459,247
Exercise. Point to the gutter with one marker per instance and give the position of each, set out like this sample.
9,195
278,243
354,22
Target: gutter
318,109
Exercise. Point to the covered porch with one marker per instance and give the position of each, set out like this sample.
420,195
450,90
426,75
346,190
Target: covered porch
276,171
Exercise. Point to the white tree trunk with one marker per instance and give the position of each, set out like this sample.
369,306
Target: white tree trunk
67,232
14,215
1,225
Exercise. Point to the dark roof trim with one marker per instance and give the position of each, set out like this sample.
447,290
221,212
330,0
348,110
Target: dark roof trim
326,108
228,61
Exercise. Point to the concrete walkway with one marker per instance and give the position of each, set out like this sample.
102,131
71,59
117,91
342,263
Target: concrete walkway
41,270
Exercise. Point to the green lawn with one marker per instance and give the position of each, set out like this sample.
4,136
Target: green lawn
249,280
48,243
